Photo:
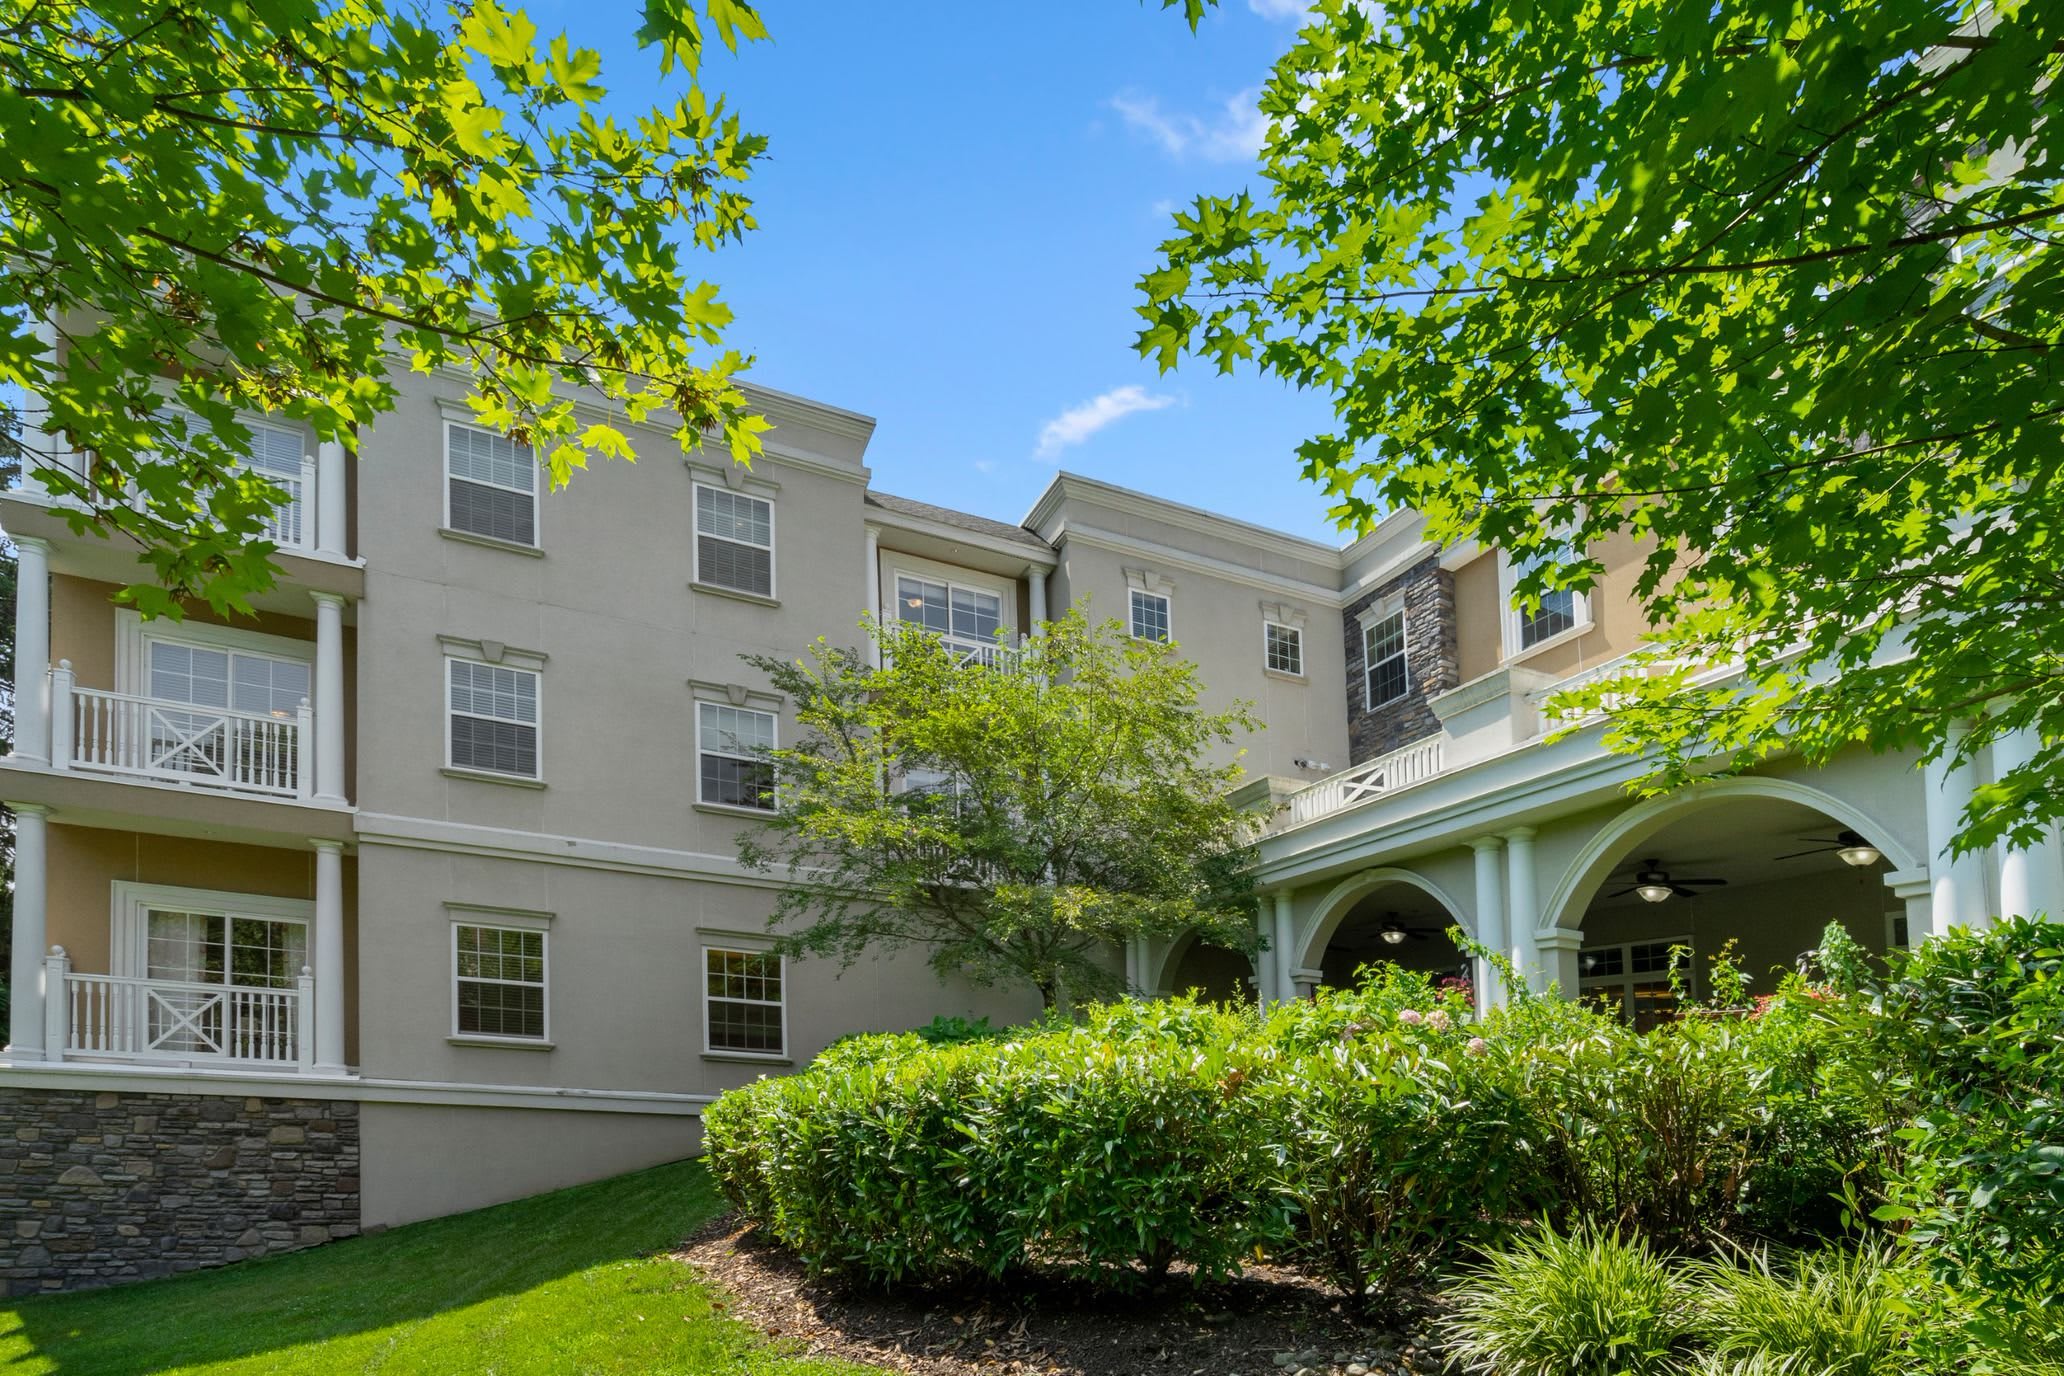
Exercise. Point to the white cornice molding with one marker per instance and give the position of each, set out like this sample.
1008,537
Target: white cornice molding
493,652
735,694
1073,486
1199,563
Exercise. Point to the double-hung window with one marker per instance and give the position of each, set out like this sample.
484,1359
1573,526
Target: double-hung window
1556,614
498,982
734,541
743,1007
490,485
731,746
1149,616
493,716
1282,648
1383,659
969,616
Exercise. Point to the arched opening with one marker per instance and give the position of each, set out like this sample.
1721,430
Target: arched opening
1392,921
1217,974
1751,873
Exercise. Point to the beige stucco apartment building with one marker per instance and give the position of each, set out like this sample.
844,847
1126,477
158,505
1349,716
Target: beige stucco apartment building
418,890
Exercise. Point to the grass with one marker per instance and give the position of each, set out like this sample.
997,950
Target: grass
572,1282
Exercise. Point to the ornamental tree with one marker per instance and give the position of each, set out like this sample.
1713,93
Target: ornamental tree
261,208
1015,818
1774,288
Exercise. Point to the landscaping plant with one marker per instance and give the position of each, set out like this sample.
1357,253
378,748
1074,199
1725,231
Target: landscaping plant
1587,1303
1832,1312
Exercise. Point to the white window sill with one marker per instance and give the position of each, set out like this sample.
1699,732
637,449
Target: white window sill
1559,638
501,1043
488,776
733,810
467,537
736,594
1283,674
747,1058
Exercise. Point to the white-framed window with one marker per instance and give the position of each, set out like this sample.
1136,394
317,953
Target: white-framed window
208,940
1898,931
491,721
1560,612
744,1005
1385,677
1282,648
1631,980
935,787
224,702
490,486
949,609
498,983
731,767
734,540
279,453
1150,620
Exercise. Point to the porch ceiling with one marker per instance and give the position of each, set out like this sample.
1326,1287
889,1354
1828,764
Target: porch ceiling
1737,839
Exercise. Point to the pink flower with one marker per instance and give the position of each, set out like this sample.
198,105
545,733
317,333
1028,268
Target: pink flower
1476,1046
1439,1020
1411,1017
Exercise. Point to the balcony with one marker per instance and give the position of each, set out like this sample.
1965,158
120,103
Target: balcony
990,654
172,1022
1386,774
93,731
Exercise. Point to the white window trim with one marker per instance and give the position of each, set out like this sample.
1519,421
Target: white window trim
498,923
444,706
129,930
1511,623
773,591
1297,631
1370,620
708,1049
1167,602
1628,976
774,739
132,646
537,505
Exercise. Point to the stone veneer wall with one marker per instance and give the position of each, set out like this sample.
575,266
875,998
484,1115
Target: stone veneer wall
1430,661
100,1188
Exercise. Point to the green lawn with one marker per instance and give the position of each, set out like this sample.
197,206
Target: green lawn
562,1283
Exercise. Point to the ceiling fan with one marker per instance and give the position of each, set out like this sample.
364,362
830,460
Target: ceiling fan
1654,884
1395,933
1849,846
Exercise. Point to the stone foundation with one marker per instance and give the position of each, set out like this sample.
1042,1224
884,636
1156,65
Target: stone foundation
100,1188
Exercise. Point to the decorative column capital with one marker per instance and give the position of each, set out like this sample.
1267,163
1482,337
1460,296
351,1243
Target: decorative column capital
1487,845
1519,836
34,544
326,846
327,599
29,809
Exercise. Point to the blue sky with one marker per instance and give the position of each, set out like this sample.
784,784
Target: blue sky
958,200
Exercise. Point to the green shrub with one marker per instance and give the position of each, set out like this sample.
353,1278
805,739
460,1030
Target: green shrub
1837,1312
1972,1028
945,1031
1588,1303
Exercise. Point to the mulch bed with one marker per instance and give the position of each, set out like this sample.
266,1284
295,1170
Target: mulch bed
1269,1322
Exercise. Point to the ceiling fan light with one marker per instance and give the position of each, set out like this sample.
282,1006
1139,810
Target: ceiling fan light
1860,855
1393,934
1652,893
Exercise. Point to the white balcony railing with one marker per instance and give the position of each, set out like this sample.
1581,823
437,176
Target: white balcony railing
292,525
210,747
1401,768
111,1017
990,654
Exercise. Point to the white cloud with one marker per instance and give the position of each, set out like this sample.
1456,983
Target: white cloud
1235,134
1278,9
1078,423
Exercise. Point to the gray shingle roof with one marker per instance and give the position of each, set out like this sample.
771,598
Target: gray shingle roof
959,520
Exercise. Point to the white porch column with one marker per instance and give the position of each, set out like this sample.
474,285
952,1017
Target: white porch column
1035,579
1490,919
1958,881
25,959
329,499
1286,956
873,604
32,653
1266,985
329,697
328,941
37,444
1522,905
2031,878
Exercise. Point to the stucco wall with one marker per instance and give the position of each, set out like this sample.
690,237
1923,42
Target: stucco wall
425,1160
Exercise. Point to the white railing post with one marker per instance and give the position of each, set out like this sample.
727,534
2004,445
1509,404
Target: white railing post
304,1019
61,710
304,752
56,1003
